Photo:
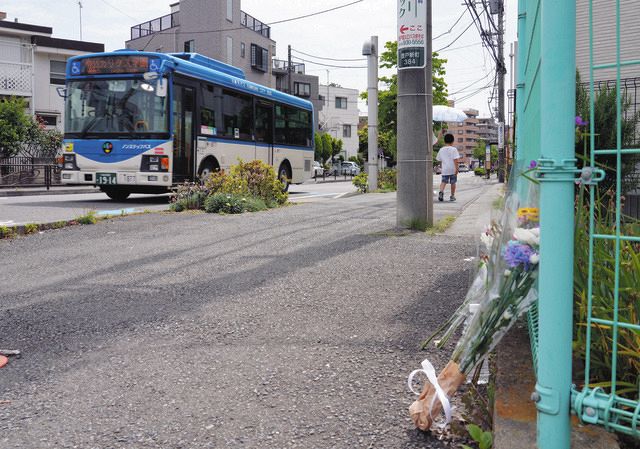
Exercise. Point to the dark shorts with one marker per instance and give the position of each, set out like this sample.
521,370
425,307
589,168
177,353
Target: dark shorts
449,179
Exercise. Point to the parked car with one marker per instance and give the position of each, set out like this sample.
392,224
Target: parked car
463,168
318,170
349,168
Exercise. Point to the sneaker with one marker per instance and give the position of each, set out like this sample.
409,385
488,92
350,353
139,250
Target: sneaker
441,196
452,198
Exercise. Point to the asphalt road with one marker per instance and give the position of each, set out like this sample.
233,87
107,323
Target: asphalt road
52,207
294,327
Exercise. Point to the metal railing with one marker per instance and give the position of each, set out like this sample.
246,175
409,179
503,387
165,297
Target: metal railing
29,172
155,25
254,24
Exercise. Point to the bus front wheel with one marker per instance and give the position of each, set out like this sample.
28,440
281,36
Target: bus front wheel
284,175
116,194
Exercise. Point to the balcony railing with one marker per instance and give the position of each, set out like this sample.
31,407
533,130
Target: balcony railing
281,65
254,24
155,25
16,78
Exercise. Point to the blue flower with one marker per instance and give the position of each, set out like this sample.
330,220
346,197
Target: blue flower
517,253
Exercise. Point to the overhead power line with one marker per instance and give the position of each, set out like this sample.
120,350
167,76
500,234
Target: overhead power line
457,37
450,29
332,65
119,10
269,24
328,59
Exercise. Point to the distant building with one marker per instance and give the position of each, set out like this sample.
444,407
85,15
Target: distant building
302,85
32,66
466,135
217,29
487,129
340,116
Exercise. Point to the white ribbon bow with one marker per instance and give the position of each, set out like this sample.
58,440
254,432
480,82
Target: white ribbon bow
430,371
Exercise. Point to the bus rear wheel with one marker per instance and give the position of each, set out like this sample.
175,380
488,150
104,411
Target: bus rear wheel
284,175
116,194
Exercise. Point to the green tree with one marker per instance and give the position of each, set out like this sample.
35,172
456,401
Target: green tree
39,141
327,147
14,124
480,150
317,151
336,146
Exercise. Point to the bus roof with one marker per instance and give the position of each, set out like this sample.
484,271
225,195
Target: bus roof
200,67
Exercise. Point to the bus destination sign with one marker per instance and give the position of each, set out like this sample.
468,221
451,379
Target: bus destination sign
115,64
412,34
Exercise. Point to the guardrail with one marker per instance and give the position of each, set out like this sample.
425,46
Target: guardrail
30,174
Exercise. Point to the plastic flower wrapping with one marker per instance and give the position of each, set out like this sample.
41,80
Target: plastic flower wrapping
503,289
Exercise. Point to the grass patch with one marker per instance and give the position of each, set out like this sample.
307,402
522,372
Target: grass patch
7,232
58,224
498,203
31,228
88,218
441,225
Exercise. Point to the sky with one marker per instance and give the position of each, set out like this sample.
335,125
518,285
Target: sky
338,34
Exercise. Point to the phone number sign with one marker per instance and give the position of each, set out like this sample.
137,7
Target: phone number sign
412,34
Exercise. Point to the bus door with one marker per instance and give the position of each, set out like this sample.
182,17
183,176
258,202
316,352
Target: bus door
183,133
264,131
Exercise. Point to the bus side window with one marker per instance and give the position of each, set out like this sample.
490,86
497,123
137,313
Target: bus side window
209,110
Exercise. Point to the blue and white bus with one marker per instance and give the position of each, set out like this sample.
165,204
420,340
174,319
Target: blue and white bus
138,122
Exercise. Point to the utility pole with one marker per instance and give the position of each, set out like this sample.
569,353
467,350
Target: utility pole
80,5
289,73
370,50
415,103
502,71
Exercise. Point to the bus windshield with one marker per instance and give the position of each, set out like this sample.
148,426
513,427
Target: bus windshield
113,106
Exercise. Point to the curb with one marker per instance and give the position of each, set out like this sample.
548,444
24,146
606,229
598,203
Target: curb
52,191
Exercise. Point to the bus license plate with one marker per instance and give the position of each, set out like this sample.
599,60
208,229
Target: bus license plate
106,178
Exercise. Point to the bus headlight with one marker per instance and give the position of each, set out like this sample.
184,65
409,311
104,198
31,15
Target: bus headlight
69,162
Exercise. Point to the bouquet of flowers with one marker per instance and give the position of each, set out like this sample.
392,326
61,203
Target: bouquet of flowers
502,290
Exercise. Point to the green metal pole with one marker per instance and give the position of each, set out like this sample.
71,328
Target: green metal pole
557,72
521,59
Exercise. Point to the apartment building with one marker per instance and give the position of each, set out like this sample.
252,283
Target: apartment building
218,29
32,66
466,135
340,116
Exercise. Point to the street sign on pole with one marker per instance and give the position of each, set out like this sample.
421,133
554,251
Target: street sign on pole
412,33
500,135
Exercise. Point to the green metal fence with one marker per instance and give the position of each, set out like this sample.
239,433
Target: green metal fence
612,405
546,133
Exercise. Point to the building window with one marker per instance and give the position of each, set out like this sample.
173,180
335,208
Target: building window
460,140
48,119
341,102
229,50
242,50
230,10
346,130
259,58
190,46
302,89
57,72
460,131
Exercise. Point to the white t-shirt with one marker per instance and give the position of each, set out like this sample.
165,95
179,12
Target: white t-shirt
447,155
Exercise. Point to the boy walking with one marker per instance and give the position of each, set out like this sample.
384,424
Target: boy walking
449,157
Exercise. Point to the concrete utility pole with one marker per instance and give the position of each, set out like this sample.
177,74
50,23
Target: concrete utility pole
502,71
289,73
370,50
415,103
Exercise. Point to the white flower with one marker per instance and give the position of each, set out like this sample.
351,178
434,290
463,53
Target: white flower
534,258
507,315
487,240
507,273
527,236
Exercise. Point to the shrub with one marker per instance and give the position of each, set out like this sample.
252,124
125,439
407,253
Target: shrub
261,181
254,204
361,182
30,228
58,224
226,203
387,179
190,195
479,171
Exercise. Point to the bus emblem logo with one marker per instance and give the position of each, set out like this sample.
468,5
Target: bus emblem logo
107,147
